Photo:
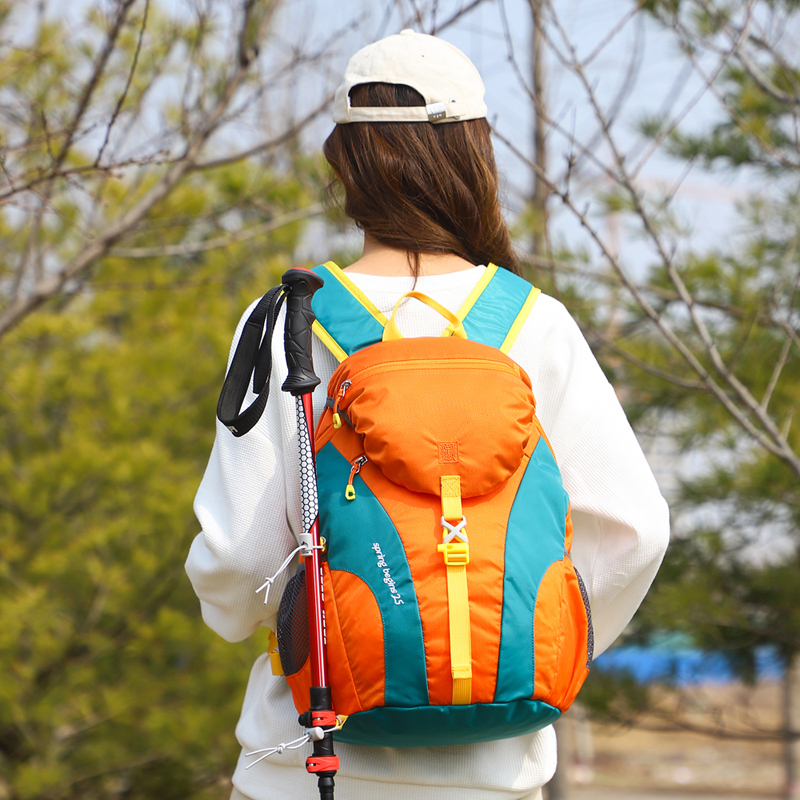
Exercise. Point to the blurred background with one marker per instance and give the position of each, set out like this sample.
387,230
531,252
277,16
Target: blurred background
160,168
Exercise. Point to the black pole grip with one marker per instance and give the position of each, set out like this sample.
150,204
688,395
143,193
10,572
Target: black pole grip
301,285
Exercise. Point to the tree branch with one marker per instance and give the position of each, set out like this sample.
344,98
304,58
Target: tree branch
124,94
789,457
94,80
221,241
50,285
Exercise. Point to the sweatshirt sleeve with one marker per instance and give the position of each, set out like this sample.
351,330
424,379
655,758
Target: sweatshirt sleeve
242,509
620,520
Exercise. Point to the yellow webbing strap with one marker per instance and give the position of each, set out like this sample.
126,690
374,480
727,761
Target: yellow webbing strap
513,332
456,557
473,296
391,332
451,497
274,655
460,636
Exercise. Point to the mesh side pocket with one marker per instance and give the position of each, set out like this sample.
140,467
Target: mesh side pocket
590,636
292,633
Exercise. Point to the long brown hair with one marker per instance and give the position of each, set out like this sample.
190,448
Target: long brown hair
420,187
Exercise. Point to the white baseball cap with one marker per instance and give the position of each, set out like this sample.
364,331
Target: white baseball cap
442,74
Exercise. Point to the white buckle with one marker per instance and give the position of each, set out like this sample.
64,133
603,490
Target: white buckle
454,530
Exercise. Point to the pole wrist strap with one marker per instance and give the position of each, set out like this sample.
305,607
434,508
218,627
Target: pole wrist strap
253,356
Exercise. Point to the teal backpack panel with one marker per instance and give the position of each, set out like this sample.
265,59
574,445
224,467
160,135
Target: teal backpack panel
430,726
350,530
340,313
540,501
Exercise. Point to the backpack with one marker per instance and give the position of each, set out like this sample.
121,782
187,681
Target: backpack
453,612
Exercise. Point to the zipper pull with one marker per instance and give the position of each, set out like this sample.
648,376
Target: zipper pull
337,420
350,491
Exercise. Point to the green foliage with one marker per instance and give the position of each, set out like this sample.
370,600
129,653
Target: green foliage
114,685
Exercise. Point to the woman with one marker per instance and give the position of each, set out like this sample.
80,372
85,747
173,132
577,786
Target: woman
413,153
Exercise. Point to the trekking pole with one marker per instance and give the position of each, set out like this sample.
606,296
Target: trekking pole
300,287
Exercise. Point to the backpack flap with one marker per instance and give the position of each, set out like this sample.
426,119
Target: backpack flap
430,407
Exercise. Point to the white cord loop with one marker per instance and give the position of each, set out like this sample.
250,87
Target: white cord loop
314,734
311,734
269,581
307,545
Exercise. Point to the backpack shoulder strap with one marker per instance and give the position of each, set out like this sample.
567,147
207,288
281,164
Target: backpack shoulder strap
347,320
497,308
492,314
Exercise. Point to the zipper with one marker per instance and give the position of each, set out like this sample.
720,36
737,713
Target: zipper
350,491
337,420
418,364
590,626
432,363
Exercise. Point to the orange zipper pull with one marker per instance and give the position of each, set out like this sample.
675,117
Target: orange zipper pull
337,420
350,491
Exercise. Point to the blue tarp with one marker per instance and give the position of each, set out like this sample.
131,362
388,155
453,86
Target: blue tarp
683,665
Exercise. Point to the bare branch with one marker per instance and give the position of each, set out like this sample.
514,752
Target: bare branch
775,444
688,46
269,144
750,66
778,443
644,365
156,159
221,241
94,80
614,32
453,18
776,374
124,94
50,285
554,124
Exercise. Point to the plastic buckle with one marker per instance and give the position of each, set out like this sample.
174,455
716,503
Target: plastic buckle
455,553
275,663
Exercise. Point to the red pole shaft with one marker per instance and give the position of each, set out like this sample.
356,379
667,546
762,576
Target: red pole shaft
314,584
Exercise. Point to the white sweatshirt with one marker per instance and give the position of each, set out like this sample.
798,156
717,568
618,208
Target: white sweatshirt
248,506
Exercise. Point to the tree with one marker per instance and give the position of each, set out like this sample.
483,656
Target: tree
101,127
707,343
116,687
138,237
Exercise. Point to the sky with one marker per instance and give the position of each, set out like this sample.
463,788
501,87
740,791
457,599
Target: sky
705,203
626,49
629,50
